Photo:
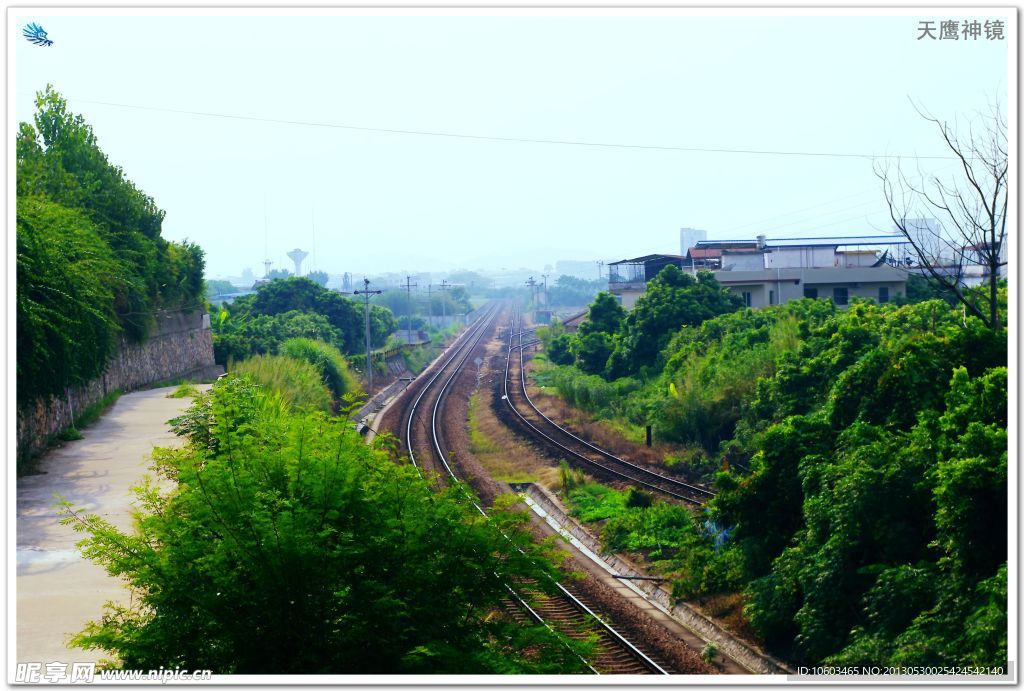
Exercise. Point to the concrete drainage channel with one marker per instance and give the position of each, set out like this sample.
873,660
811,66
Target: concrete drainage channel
548,508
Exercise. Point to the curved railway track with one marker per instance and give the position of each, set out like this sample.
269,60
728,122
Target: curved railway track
565,611
562,441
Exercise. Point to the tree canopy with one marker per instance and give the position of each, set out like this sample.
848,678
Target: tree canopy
860,461
296,307
288,546
91,262
672,299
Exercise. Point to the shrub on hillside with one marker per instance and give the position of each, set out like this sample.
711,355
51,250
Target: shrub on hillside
67,278
299,383
288,546
329,362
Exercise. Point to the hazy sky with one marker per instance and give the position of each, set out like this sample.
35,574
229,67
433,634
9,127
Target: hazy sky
389,201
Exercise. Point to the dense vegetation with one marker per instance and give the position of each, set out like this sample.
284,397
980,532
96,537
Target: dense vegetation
91,262
298,383
293,307
569,291
613,343
450,302
862,496
287,546
217,289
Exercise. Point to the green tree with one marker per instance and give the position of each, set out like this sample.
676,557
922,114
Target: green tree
60,159
559,351
301,294
473,281
591,351
673,299
66,281
318,277
91,265
604,316
571,291
288,545
237,336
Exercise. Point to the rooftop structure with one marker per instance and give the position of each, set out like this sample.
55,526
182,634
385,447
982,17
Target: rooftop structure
768,272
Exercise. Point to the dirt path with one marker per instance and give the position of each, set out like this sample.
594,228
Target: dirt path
57,590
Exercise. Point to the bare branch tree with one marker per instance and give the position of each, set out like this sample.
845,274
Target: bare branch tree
958,223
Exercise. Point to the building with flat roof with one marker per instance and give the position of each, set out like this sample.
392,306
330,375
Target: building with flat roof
770,272
688,237
627,279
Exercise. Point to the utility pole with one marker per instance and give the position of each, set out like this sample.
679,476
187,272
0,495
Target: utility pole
600,265
533,296
366,293
545,277
430,307
408,307
444,286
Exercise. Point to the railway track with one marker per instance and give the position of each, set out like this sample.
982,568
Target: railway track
563,611
563,442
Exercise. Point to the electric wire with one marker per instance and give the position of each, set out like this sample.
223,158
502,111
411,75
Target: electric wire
520,140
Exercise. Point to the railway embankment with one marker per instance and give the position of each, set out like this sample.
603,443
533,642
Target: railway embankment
747,655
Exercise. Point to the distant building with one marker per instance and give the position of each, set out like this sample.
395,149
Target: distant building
770,272
689,237
939,253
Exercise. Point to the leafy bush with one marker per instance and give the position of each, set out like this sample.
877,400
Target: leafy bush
594,502
589,392
673,299
286,544
244,330
299,383
91,262
708,652
236,337
328,361
865,500
184,391
66,282
878,449
569,478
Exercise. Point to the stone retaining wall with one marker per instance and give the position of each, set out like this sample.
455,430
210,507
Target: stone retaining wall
742,652
181,346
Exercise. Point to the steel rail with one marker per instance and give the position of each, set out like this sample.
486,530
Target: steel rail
676,484
610,456
477,326
475,338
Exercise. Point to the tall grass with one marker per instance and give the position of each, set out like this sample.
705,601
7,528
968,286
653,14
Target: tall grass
328,361
299,383
710,390
587,391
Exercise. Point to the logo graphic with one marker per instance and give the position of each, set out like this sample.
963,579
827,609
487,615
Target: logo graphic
36,34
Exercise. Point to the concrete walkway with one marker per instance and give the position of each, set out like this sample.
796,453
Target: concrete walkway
57,590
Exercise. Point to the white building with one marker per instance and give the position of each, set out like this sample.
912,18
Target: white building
689,237
770,272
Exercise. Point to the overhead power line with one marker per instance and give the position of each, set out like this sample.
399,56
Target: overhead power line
519,140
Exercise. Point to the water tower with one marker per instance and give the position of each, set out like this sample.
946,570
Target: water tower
297,255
